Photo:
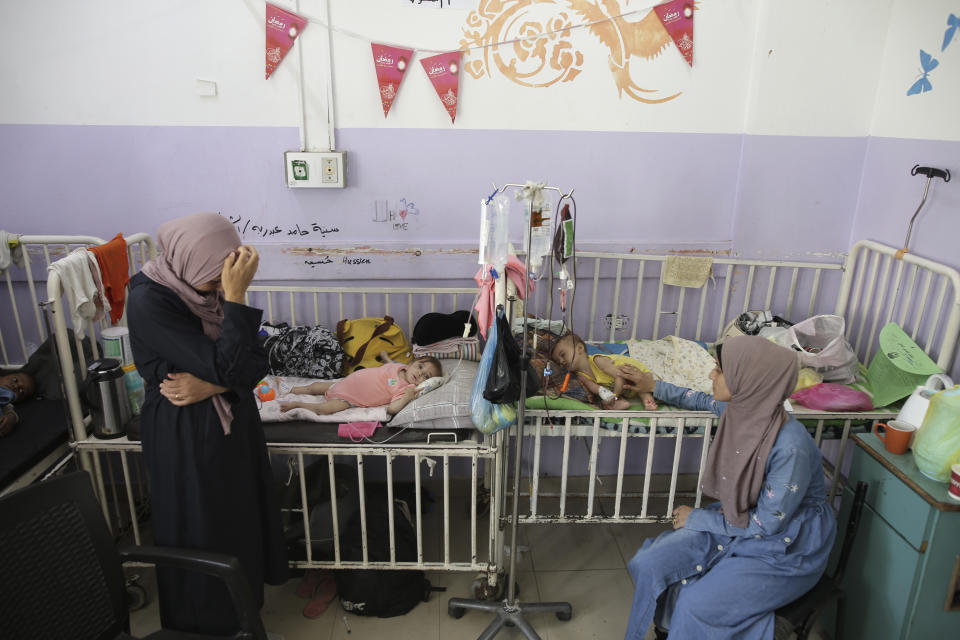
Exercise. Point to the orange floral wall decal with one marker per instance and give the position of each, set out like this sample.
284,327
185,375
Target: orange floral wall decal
531,42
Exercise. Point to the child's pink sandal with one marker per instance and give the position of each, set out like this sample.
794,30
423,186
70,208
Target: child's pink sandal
308,584
325,592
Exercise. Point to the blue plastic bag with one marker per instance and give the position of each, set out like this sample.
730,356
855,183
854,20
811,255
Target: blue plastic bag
488,417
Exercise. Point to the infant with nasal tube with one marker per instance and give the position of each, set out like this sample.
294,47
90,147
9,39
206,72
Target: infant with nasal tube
394,384
600,373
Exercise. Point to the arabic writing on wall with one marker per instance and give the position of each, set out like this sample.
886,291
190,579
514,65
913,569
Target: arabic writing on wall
248,227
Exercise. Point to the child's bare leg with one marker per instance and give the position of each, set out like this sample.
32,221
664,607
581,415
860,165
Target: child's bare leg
648,401
319,408
318,388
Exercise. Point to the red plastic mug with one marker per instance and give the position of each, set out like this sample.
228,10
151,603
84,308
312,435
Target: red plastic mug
954,490
896,435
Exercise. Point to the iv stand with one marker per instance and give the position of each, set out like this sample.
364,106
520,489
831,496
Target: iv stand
931,173
510,612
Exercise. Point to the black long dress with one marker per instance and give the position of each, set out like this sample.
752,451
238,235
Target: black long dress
209,490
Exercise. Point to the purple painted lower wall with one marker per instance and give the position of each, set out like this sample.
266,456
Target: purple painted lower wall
765,196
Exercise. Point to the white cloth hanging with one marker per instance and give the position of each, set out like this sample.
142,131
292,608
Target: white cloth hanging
80,275
10,256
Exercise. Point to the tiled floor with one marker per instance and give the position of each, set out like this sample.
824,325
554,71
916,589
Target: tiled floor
584,565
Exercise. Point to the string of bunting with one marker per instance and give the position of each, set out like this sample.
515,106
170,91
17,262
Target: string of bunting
443,69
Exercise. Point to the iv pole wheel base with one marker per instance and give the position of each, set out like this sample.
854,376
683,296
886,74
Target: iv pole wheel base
482,590
564,616
454,611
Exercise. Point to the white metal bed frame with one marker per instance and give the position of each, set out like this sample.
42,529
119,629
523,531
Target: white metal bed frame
793,290
860,289
297,305
26,308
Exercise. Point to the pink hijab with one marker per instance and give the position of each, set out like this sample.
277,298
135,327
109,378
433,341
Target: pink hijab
194,248
760,376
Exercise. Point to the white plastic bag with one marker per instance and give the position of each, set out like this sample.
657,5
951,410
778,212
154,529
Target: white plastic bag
823,347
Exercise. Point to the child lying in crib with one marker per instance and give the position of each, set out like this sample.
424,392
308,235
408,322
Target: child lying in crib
394,384
599,372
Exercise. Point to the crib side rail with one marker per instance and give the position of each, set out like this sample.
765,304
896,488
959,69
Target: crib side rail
433,486
325,306
23,327
624,296
609,467
922,296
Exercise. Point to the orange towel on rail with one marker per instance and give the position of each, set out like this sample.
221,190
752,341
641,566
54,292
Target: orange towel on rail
115,272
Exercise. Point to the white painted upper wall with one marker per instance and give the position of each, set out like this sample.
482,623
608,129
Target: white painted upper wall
929,115
797,67
815,67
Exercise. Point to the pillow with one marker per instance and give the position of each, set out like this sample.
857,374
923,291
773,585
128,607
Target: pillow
452,348
608,348
445,408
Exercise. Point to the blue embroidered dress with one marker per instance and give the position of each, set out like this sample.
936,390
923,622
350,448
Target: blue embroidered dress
722,581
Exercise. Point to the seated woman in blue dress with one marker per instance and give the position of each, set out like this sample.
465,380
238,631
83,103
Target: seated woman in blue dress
726,567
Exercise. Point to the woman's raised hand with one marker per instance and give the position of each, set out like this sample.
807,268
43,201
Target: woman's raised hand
238,271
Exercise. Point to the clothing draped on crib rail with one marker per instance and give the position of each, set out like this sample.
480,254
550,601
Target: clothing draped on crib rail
486,303
10,250
80,275
95,281
115,269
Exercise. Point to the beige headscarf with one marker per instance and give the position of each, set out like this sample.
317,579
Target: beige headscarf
760,376
194,248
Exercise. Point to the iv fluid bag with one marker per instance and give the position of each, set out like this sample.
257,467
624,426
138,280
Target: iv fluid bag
494,220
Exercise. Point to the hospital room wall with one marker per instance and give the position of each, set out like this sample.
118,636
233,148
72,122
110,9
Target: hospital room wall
785,140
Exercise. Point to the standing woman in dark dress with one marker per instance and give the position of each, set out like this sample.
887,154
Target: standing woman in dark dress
195,345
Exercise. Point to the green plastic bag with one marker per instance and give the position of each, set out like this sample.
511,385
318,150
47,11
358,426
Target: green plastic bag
937,445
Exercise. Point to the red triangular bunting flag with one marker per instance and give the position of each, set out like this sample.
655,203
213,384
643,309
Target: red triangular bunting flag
444,72
390,63
677,19
283,28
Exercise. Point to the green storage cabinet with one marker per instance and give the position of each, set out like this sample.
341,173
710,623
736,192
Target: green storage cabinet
902,578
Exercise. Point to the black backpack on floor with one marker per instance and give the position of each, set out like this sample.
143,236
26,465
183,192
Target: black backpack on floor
382,593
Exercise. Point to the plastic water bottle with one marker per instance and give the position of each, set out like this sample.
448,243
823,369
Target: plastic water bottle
134,385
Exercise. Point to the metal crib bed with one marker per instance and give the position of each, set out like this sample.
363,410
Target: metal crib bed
618,476
446,475
42,446
621,475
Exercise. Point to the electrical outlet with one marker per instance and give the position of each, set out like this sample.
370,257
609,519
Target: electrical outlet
330,169
619,322
315,169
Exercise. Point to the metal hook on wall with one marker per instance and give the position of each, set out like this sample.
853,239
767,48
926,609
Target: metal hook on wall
931,173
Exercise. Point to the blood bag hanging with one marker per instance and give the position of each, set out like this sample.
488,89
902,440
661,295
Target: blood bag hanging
539,210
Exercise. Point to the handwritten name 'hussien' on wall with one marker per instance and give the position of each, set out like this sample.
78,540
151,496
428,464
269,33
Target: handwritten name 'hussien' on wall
345,260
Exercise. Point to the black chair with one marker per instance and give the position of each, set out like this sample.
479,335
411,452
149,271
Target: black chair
801,614
61,575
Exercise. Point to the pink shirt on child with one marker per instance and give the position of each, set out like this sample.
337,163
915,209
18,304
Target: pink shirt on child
371,387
